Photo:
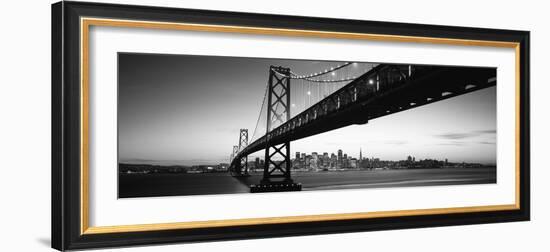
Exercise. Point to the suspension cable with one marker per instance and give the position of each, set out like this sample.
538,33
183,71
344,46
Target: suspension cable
326,71
263,103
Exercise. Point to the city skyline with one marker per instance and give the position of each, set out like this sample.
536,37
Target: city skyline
304,162
361,156
173,110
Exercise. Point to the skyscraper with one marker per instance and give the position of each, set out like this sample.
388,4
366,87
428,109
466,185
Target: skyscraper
314,160
360,154
339,162
325,160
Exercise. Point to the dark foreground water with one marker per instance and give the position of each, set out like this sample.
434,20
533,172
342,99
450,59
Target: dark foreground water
147,185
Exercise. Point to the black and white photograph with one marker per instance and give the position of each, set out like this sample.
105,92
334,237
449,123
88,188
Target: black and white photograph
202,125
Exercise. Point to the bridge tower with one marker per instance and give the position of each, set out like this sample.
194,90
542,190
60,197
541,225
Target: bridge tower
276,174
243,142
232,169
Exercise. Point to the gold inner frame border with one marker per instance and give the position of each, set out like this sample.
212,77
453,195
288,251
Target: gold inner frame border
86,22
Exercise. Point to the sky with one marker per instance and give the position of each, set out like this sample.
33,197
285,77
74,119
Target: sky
187,110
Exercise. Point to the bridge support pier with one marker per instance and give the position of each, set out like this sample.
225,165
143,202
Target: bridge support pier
276,175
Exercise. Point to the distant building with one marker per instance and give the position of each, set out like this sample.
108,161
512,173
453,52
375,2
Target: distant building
339,163
314,161
353,163
307,162
325,160
223,166
257,163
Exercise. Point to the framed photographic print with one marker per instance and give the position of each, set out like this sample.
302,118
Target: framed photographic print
178,125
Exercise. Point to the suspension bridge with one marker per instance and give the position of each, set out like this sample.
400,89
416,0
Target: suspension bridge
297,106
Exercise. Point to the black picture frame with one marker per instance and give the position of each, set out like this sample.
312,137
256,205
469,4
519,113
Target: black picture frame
66,125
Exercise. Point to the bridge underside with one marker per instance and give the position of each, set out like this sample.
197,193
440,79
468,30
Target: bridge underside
440,86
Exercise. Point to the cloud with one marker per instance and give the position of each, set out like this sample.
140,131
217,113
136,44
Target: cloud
456,136
453,143
463,135
486,142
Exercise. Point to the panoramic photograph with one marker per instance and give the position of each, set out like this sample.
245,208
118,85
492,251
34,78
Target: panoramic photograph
204,125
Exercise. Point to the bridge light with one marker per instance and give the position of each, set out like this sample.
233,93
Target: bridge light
354,64
333,73
371,81
412,103
293,105
308,92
